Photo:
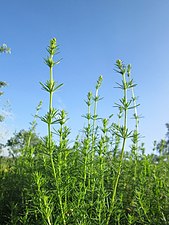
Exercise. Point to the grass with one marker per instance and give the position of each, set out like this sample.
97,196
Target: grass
99,180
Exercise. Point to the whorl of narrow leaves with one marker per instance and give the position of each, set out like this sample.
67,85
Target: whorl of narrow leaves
51,85
52,50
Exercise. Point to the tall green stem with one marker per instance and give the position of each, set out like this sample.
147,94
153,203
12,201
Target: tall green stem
123,133
50,118
95,117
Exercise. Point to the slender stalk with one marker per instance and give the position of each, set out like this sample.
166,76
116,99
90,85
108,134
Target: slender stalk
135,138
50,106
123,133
103,147
95,118
86,146
50,118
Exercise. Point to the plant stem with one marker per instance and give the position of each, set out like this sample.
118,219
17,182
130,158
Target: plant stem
124,138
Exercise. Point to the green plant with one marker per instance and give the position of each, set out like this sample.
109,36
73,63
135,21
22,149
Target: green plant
104,177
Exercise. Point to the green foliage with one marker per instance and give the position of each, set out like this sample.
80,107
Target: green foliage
2,84
103,178
163,146
16,144
5,49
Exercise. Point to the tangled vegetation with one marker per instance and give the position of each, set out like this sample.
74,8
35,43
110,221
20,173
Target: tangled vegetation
104,178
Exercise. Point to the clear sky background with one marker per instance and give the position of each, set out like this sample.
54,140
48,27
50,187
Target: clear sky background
92,35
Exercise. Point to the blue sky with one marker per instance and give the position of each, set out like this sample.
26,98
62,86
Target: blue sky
92,35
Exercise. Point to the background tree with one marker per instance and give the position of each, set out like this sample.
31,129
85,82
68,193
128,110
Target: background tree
20,139
163,145
3,49
2,84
